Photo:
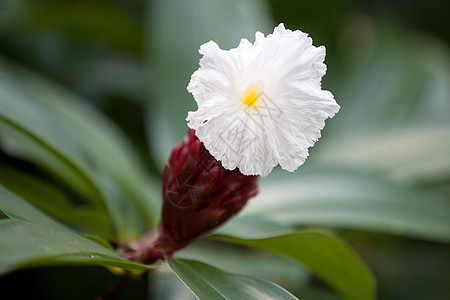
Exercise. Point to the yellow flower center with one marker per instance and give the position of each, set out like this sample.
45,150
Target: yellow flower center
251,96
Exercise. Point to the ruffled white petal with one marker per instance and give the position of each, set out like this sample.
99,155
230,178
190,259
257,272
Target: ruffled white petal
289,114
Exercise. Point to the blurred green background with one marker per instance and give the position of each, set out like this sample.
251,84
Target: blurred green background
388,67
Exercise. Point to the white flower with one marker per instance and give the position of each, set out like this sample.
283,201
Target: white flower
261,104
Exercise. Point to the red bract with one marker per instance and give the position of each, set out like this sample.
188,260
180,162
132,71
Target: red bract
198,195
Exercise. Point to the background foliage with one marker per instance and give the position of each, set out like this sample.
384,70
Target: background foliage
92,99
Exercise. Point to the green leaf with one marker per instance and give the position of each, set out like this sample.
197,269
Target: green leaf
52,201
353,200
395,106
25,142
167,286
399,81
26,244
207,282
325,254
14,207
174,56
31,238
229,258
412,154
104,145
44,123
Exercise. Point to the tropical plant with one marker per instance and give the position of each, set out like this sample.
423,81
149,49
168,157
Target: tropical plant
74,185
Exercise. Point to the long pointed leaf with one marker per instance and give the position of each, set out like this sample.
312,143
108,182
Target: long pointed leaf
351,200
53,202
31,238
25,244
46,124
325,254
207,282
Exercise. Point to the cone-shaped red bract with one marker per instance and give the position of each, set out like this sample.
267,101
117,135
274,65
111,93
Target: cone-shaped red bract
198,195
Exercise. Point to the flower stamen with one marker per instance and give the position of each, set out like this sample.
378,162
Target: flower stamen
251,96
